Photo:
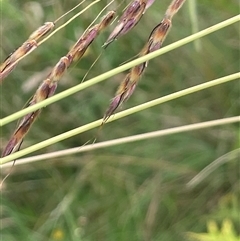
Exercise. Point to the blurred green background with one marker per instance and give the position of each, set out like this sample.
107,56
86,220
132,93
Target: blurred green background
133,191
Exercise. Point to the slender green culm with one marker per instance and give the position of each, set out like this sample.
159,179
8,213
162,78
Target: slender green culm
192,6
213,166
128,139
119,115
118,70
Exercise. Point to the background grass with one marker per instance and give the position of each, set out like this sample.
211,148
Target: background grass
135,191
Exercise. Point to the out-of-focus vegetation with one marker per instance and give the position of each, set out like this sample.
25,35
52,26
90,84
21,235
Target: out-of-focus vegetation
214,234
133,191
229,204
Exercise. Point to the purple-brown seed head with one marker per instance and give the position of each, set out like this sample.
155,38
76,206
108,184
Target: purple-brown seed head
41,31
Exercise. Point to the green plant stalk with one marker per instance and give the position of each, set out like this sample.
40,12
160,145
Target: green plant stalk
128,139
69,21
118,70
192,7
119,115
213,166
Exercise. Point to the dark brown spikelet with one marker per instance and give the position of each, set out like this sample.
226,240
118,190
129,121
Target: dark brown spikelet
11,61
155,40
49,85
16,140
42,31
173,8
80,47
130,17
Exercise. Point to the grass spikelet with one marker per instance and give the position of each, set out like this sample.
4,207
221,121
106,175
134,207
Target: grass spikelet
49,85
32,43
154,43
129,19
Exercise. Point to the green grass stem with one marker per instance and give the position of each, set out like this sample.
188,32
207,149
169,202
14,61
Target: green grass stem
119,115
128,139
232,155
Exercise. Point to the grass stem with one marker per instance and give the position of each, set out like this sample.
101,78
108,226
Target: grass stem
124,140
119,115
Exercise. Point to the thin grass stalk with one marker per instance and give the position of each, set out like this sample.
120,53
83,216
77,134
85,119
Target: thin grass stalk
192,6
118,70
129,139
119,115
235,154
69,21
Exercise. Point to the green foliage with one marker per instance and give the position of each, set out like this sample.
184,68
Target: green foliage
229,207
226,233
